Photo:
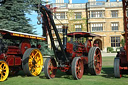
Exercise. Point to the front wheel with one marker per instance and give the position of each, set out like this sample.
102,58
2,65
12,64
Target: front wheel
4,70
77,68
50,68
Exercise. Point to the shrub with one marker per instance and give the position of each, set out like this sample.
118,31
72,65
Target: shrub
122,42
109,49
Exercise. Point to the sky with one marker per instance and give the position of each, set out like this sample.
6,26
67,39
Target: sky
34,15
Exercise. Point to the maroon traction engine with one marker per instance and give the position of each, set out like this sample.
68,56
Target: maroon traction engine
19,54
121,60
74,57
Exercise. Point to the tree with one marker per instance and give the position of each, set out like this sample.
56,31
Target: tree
122,42
12,14
12,17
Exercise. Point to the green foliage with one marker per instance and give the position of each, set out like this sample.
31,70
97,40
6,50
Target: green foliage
109,49
12,15
122,42
45,50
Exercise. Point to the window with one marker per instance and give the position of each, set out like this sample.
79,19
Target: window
97,14
60,15
78,15
59,28
115,41
114,26
97,27
114,13
127,13
78,28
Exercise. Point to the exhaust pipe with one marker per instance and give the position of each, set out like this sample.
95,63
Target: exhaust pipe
65,36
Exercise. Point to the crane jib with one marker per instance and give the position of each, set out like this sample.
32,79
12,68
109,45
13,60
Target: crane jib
48,20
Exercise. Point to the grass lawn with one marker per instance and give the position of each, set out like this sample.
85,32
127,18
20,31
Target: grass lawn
105,78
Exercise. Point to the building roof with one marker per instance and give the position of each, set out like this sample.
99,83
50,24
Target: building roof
82,34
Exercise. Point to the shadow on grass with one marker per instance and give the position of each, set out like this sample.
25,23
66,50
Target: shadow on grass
59,74
20,73
107,72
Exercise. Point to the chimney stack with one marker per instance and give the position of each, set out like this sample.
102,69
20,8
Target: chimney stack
70,1
59,1
107,0
91,0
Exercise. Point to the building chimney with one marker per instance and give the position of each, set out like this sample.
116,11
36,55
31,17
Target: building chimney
65,28
91,0
70,1
107,0
59,1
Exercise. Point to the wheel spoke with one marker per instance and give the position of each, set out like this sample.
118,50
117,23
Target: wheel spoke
1,76
30,69
38,66
4,69
98,61
97,54
0,65
77,74
37,60
35,54
30,59
30,64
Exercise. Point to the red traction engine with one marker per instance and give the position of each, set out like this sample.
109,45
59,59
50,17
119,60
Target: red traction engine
81,55
19,54
121,60
74,57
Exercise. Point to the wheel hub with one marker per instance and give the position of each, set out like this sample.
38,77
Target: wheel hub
33,62
79,68
0,71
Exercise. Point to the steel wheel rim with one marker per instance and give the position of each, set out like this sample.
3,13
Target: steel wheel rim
4,70
117,68
79,69
35,62
97,61
51,68
120,69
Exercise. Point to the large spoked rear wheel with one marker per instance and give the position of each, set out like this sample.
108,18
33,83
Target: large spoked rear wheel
32,62
4,70
117,71
95,61
77,68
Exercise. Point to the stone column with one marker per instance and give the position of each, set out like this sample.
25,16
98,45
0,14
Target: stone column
107,0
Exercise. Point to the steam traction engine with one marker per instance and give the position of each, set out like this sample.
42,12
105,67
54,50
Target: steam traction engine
121,60
74,56
19,54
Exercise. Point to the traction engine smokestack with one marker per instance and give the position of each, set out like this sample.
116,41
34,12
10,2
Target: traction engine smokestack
64,36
